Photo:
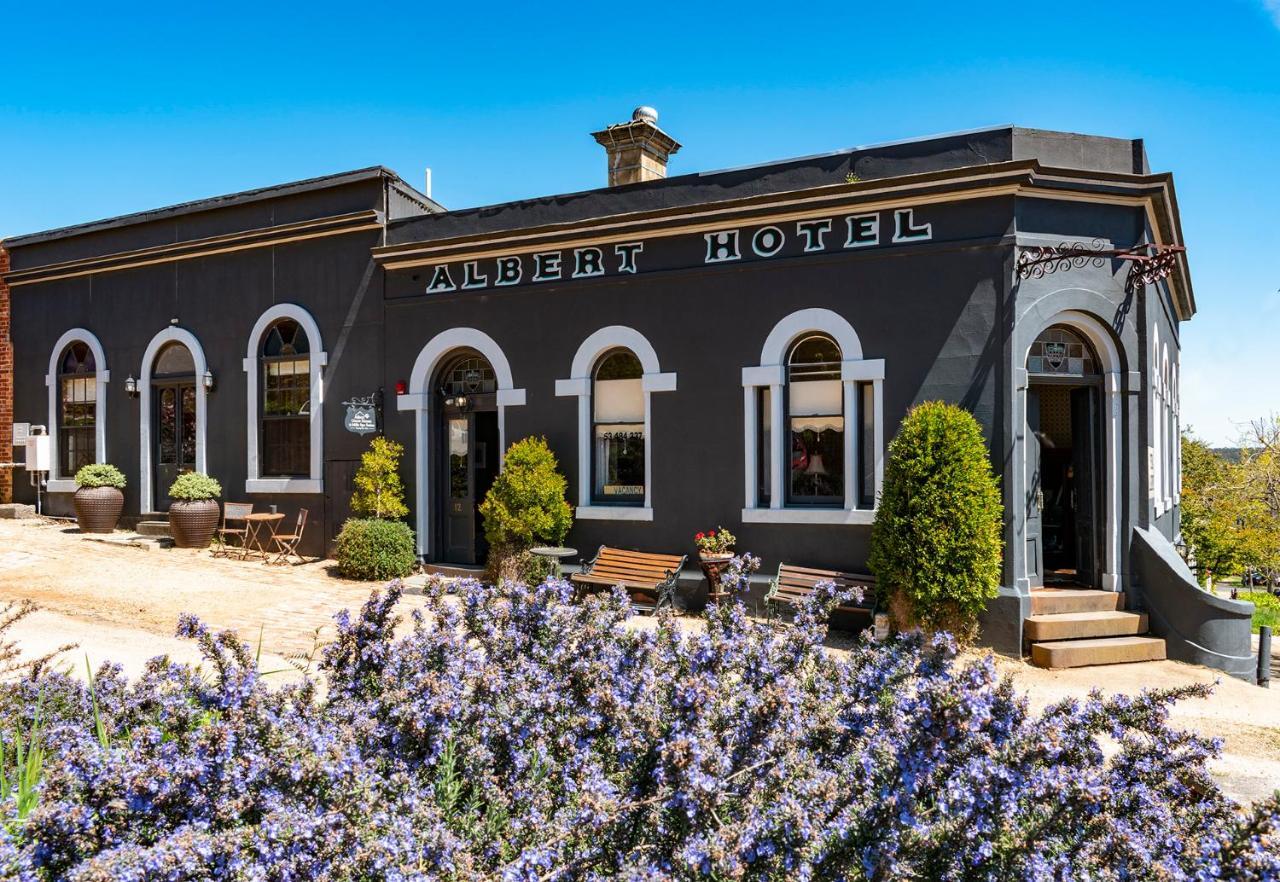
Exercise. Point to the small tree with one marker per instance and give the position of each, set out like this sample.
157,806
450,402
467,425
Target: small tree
1214,508
379,492
936,544
525,506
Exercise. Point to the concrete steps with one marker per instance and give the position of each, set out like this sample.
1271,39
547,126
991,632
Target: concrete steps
1096,651
1081,625
1072,628
153,528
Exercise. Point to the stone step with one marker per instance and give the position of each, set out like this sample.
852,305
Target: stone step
456,571
1096,651
1075,626
1054,601
153,528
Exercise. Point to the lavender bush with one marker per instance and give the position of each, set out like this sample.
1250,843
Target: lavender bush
515,734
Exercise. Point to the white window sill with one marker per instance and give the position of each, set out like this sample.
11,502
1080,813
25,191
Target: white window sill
613,513
283,485
60,485
808,515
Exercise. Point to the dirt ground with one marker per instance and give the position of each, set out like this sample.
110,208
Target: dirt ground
121,603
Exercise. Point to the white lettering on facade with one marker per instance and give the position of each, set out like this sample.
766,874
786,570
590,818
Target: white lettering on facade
471,277
722,246
509,271
587,262
814,232
768,241
546,266
627,251
905,229
441,281
864,231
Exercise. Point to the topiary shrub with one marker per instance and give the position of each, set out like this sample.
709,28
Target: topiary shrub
375,549
194,487
936,543
100,474
379,492
525,507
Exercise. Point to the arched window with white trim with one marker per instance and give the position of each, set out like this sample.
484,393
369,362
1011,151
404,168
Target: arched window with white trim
814,424
1156,475
77,407
617,430
284,366
613,376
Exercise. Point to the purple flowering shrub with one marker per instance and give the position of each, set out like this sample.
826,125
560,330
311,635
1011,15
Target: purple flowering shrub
515,733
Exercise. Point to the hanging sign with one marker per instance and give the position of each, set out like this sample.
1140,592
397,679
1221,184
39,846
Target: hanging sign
362,415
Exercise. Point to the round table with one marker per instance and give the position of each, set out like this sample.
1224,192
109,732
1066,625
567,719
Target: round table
555,554
254,524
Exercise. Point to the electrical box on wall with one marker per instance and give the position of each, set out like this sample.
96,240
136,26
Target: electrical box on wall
39,452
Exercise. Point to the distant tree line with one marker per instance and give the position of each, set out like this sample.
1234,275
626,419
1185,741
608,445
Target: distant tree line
1231,504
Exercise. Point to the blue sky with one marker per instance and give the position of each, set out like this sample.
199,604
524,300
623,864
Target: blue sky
142,106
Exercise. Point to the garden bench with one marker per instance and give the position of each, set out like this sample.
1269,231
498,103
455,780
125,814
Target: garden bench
649,579
794,584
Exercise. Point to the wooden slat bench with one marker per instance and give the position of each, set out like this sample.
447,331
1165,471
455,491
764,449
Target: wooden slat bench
649,579
794,584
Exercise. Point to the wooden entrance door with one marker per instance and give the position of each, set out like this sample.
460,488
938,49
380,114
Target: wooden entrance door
173,434
1086,462
470,463
1034,507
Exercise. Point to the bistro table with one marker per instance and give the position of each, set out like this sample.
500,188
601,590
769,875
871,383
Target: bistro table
555,555
259,530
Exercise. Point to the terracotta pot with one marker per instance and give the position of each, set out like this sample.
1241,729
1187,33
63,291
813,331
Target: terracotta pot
98,508
192,523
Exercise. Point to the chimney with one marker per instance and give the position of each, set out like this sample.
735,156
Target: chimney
637,150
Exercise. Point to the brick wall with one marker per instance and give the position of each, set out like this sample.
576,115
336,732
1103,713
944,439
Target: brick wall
6,385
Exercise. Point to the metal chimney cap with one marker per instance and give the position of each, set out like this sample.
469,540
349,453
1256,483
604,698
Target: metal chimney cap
646,113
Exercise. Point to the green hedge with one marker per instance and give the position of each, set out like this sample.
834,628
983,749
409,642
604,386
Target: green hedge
936,543
372,549
100,474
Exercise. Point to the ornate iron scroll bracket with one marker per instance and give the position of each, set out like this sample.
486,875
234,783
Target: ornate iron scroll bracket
1148,263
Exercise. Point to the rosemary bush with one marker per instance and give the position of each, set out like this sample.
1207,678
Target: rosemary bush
513,733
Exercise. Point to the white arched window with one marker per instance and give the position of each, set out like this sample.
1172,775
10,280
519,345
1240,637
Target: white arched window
813,425
77,382
284,365
1156,475
613,375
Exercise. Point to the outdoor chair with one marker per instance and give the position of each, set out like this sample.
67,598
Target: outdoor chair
649,579
287,543
794,584
232,513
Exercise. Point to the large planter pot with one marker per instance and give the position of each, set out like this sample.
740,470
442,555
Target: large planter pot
192,523
98,508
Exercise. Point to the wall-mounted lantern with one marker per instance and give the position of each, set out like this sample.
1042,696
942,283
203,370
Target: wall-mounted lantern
131,387
208,381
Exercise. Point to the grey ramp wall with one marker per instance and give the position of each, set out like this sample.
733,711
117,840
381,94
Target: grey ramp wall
1197,626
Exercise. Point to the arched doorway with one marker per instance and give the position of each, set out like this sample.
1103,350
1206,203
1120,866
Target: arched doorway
468,455
172,387
1066,514
173,418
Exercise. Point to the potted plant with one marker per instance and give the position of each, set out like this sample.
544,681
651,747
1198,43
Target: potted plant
98,500
715,551
715,545
193,512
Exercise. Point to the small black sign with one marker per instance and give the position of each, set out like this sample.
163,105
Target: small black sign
362,415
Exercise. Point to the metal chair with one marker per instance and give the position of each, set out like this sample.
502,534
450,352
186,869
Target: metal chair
287,543
232,512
